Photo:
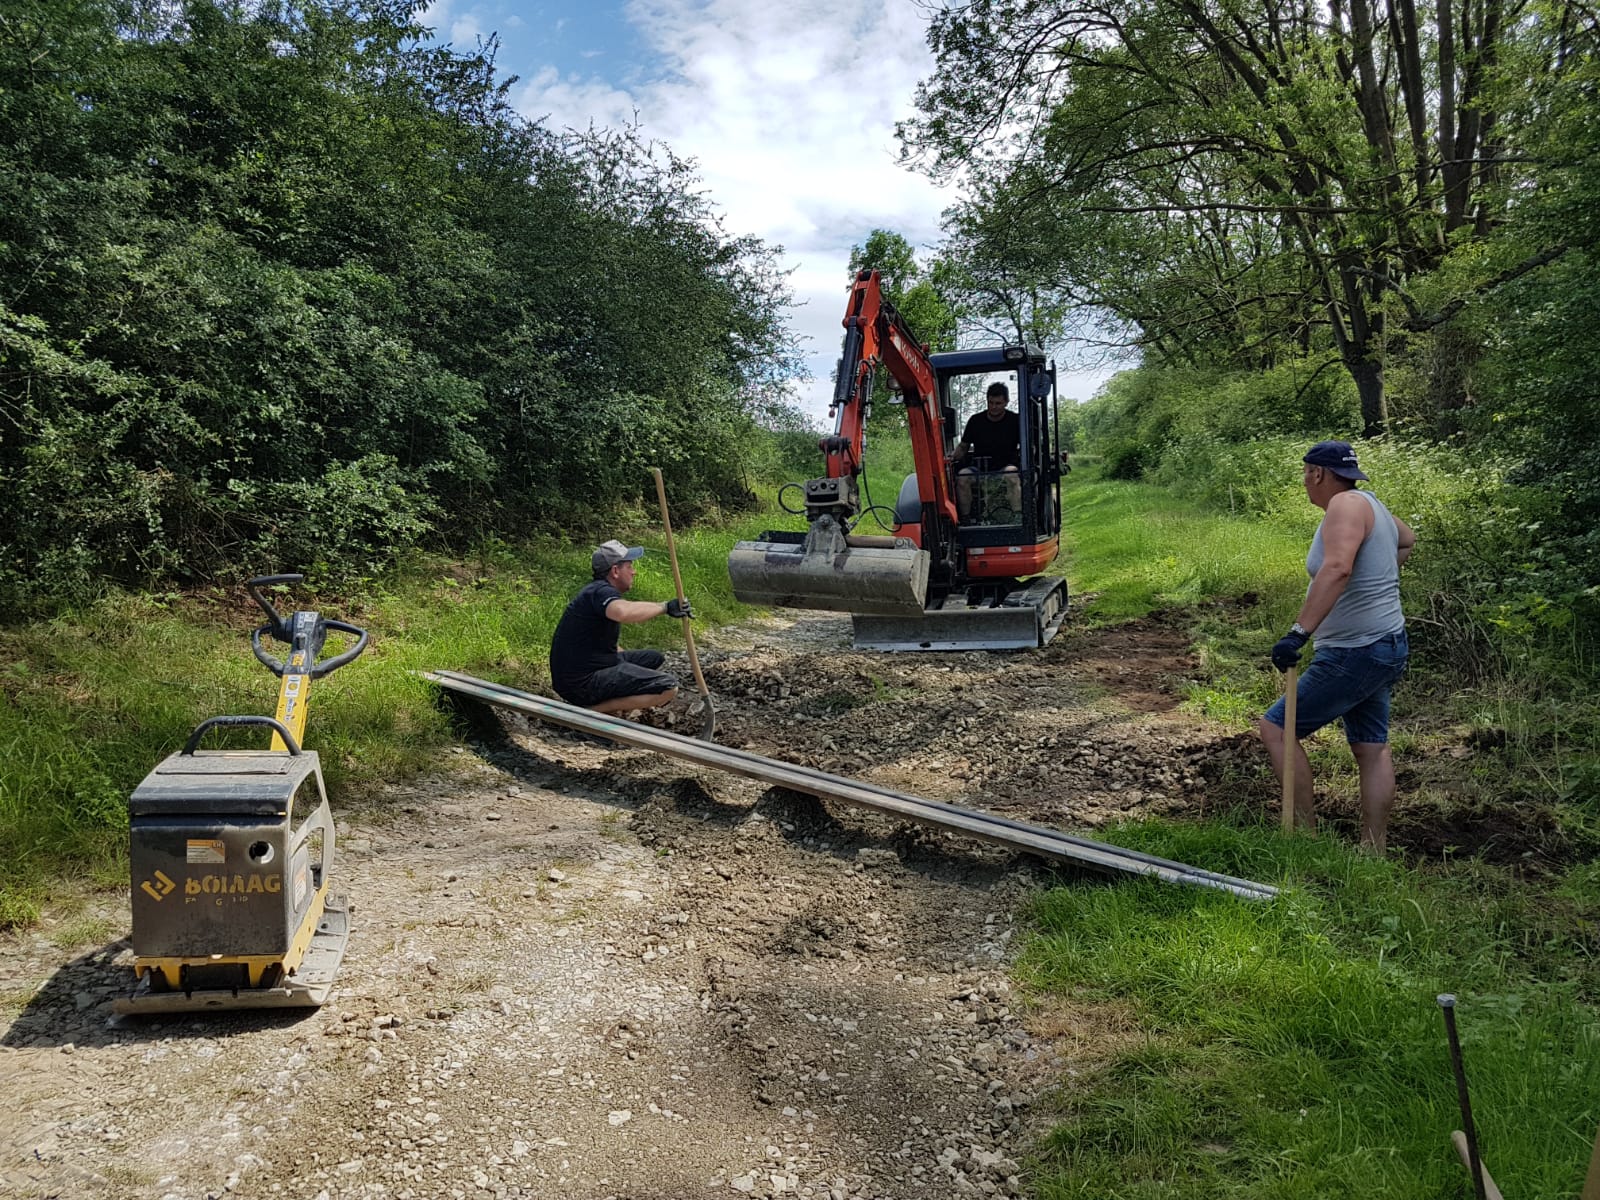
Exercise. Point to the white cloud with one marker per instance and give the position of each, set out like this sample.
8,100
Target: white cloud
574,102
461,28
789,110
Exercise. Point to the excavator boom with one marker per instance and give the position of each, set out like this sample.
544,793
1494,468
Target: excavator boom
827,567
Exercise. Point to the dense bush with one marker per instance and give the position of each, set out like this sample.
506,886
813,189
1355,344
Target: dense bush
1171,423
287,285
1494,587
1539,388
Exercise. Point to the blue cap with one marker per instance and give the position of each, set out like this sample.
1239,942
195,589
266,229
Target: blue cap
1338,457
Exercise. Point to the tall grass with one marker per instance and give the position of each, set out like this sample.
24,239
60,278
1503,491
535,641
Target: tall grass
1236,522
1497,602
95,699
1295,1049
1132,548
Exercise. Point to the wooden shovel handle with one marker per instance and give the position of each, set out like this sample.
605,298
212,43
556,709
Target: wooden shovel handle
1291,696
677,582
1459,1141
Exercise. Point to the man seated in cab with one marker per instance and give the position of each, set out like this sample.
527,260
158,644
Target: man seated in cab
992,439
585,665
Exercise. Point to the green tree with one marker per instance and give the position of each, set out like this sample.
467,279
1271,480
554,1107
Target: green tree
1225,177
911,289
287,284
1537,389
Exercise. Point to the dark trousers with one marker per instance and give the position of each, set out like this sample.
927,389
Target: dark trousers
637,674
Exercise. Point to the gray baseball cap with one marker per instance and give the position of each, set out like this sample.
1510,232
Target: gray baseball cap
609,554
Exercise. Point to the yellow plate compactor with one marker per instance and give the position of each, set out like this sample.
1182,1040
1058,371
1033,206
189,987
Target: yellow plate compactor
232,852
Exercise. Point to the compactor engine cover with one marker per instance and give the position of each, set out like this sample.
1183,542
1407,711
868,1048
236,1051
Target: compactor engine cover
230,855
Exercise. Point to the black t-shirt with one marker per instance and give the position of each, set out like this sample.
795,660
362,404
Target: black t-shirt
585,640
998,441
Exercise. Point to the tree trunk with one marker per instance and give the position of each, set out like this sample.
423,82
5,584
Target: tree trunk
1369,386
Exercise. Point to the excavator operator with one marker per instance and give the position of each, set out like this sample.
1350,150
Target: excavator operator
992,442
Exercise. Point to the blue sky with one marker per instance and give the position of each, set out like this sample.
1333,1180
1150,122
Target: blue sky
595,37
788,109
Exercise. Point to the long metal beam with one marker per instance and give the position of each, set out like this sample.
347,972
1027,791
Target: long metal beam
1017,835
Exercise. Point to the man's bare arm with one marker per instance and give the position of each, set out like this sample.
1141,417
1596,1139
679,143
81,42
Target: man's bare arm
634,612
1346,526
1408,539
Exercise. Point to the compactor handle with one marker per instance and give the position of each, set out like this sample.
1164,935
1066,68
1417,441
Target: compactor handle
333,664
318,670
282,629
282,730
276,624
275,665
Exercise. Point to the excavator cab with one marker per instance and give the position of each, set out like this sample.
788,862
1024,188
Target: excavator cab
953,574
1015,492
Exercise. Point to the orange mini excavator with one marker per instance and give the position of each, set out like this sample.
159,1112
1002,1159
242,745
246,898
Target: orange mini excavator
949,576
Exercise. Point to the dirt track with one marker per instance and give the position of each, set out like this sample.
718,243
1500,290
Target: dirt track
578,970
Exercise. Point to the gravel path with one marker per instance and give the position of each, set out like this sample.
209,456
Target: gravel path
587,971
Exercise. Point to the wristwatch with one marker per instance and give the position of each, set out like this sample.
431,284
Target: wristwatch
1300,629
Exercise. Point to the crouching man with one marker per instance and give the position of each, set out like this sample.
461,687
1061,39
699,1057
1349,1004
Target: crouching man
585,665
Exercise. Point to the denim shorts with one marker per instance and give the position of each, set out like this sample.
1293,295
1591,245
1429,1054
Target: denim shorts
1352,682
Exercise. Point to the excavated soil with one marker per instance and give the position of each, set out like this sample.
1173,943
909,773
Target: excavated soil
580,970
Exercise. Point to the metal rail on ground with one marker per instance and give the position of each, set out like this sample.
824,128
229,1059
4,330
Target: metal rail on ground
1018,835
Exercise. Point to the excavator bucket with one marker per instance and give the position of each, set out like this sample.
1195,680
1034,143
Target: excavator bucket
829,570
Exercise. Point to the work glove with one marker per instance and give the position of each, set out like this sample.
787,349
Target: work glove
1286,653
678,608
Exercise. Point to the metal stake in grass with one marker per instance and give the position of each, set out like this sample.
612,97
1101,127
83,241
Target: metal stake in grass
1447,1003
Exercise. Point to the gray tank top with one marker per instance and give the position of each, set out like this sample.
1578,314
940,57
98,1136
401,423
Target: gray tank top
1370,606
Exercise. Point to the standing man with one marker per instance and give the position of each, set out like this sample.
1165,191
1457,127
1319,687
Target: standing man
994,439
1353,609
585,665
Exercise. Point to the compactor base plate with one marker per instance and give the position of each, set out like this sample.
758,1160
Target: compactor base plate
309,987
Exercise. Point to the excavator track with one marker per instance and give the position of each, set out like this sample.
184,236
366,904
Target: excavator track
1017,835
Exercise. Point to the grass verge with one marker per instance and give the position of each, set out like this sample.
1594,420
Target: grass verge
93,700
1295,1049
1132,548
